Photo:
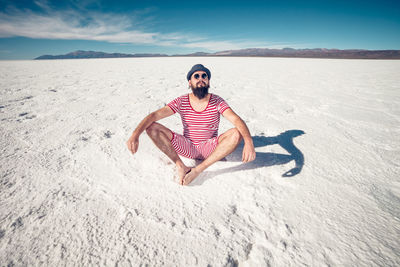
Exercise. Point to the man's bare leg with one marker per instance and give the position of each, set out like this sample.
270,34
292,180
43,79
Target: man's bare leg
227,143
162,137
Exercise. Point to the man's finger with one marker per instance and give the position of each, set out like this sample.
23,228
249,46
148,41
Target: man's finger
244,158
129,145
133,148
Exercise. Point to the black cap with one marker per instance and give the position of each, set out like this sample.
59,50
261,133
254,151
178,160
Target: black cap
198,67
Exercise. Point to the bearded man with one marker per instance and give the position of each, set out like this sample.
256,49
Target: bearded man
200,113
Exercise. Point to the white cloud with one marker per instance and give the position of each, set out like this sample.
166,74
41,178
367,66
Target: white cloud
113,28
222,45
72,25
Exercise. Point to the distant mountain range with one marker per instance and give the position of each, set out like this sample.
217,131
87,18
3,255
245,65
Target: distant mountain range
250,52
93,54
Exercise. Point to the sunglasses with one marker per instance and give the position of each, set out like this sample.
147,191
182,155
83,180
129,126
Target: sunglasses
197,76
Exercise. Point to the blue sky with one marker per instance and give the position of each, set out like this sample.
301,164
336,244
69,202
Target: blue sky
32,28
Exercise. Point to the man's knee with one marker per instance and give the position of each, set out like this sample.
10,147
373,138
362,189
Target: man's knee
235,135
153,129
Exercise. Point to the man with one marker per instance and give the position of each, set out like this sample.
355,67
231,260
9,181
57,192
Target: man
200,113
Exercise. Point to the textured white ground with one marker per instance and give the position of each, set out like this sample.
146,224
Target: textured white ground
323,191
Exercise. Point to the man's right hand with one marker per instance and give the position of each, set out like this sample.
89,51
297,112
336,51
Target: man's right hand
133,144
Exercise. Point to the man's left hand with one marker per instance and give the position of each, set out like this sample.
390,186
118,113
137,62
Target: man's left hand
249,153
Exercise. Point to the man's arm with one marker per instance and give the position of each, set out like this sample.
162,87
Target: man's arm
249,153
133,142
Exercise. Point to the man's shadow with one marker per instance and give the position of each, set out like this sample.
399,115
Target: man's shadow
265,159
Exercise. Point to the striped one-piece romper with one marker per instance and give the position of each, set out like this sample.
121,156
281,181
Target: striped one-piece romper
200,129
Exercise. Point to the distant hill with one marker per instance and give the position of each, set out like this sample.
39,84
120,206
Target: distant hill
250,52
313,53
93,54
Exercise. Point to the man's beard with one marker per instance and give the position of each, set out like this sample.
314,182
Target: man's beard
200,91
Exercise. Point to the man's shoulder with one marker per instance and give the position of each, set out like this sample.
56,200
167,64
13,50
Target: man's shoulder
179,98
217,97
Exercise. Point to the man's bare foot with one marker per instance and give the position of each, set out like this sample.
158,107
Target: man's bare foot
182,171
190,176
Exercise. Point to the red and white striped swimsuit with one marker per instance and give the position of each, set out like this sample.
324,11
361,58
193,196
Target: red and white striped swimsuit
200,129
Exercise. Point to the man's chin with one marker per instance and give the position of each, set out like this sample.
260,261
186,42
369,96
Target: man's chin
200,92
200,96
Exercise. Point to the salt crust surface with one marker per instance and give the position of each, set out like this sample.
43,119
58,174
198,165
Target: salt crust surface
72,194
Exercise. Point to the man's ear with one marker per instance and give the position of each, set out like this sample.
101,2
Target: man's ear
190,83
